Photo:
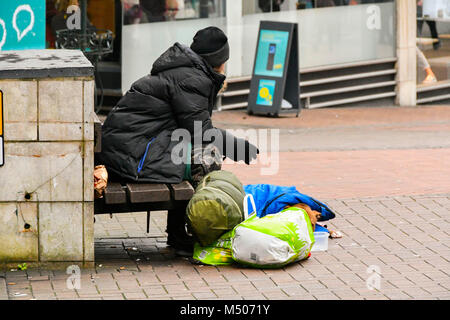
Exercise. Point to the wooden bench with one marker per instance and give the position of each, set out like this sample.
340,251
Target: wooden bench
121,197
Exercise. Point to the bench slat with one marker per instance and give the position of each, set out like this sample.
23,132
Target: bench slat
182,191
140,193
114,194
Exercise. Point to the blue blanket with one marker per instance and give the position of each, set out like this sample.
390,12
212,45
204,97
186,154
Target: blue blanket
270,199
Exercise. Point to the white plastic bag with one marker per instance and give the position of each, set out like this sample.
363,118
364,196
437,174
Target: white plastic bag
274,240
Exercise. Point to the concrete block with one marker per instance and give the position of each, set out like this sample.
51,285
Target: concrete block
44,64
88,231
89,112
407,64
60,110
20,109
61,231
16,243
48,171
20,131
88,171
60,131
406,94
47,179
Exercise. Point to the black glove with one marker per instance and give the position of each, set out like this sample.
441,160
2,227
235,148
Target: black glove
251,152
242,149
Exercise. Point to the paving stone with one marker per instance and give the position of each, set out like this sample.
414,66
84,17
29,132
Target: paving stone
155,290
135,295
274,294
410,267
204,294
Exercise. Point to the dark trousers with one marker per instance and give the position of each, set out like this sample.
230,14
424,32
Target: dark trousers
431,25
176,229
204,159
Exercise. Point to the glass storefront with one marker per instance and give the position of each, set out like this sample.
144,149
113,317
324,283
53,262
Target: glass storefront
433,41
333,35
331,32
340,41
262,6
147,11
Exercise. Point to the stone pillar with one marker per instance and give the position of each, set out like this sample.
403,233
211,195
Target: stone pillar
406,52
46,183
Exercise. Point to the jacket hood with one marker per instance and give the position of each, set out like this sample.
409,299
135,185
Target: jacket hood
182,56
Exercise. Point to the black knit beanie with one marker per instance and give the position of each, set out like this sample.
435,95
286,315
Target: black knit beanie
211,44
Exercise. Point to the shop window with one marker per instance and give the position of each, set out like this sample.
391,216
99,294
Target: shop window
147,11
66,14
262,6
433,41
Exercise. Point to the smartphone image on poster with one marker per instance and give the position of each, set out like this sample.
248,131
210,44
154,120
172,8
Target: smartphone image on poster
270,59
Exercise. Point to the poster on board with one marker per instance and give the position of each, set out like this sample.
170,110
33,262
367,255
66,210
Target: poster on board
274,87
271,50
22,24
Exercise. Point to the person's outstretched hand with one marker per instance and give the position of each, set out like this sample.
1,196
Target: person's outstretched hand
244,150
237,149
251,152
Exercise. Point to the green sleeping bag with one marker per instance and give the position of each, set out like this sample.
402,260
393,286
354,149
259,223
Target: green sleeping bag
216,206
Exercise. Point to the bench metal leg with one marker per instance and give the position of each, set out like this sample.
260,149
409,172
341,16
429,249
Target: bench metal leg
148,221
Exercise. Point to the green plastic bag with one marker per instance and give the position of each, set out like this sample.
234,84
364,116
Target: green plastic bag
273,241
216,254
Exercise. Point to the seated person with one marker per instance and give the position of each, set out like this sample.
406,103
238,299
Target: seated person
179,94
423,64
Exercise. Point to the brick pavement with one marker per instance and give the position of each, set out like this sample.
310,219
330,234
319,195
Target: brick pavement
340,117
405,237
393,207
359,173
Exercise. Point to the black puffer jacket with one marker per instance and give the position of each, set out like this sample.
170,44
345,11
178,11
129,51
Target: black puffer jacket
136,136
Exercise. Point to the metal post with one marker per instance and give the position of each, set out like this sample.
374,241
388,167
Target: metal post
83,8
